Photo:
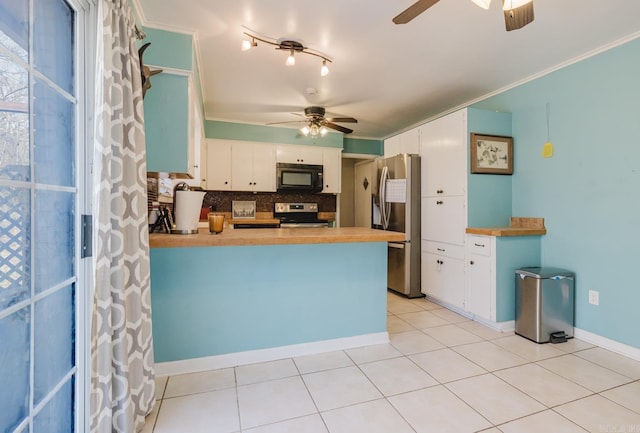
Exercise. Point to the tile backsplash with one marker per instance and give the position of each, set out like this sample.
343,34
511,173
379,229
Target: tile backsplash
221,200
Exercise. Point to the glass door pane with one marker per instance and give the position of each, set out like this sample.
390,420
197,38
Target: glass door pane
39,121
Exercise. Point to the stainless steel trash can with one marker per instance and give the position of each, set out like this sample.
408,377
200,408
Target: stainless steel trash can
544,304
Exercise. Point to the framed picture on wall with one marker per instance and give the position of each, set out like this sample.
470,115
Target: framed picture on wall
243,209
491,154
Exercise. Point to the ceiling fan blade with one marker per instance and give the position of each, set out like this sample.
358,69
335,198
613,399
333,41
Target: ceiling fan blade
519,17
286,121
338,127
413,11
341,119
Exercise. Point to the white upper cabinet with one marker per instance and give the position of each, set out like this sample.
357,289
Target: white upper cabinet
253,166
392,146
299,154
443,146
196,136
406,142
218,165
332,170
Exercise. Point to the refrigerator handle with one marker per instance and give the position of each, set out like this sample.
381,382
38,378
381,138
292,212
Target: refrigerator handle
385,209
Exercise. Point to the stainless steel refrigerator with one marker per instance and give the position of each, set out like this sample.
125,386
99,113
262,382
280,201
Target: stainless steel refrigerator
396,207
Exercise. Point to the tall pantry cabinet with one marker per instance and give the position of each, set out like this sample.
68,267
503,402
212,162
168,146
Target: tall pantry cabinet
452,200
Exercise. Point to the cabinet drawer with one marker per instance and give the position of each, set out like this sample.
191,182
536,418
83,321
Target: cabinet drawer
480,245
447,250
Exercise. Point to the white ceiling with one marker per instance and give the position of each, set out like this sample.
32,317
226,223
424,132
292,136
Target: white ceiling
387,76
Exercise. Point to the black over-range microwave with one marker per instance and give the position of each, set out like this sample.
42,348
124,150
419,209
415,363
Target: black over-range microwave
299,177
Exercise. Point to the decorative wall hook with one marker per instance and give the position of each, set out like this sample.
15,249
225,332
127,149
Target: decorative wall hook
145,72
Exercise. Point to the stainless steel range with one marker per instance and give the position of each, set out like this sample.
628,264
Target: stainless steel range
301,215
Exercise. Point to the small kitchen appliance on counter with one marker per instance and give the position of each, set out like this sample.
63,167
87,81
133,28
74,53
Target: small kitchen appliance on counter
299,215
186,207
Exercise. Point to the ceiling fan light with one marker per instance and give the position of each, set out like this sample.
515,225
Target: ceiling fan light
507,5
314,130
484,4
291,60
323,131
305,130
324,70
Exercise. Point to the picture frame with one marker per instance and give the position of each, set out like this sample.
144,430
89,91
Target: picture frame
491,154
243,209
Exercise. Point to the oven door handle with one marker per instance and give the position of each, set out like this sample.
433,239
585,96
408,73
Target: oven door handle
397,245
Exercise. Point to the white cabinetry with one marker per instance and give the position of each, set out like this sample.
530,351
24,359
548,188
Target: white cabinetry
406,142
218,165
332,170
443,153
443,272
253,166
491,265
299,154
481,277
196,137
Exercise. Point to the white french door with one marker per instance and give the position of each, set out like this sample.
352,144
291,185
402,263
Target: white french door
43,187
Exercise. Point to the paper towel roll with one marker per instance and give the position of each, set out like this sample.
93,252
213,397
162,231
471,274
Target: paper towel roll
187,212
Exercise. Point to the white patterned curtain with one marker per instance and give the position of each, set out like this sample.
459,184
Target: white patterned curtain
122,377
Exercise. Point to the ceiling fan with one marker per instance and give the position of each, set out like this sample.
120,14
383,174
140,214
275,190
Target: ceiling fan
316,124
517,13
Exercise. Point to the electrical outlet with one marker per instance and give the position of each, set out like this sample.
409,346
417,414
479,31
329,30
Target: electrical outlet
594,297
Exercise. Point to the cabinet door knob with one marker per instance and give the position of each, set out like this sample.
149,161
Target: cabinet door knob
439,202
226,183
441,249
471,262
439,191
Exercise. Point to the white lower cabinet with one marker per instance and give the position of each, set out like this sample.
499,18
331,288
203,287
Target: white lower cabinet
443,273
481,282
491,264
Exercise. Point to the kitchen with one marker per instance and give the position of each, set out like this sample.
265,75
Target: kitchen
546,187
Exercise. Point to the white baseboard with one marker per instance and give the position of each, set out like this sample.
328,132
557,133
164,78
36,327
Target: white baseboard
263,355
605,343
508,326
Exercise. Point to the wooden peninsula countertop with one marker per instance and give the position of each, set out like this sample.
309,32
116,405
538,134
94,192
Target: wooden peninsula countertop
519,227
281,236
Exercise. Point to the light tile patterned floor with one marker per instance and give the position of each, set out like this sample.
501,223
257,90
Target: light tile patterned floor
440,373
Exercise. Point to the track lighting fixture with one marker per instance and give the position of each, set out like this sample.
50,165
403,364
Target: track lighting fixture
292,46
324,70
248,44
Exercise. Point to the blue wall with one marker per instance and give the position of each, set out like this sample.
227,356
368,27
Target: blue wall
272,134
169,49
363,146
216,300
588,192
489,196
